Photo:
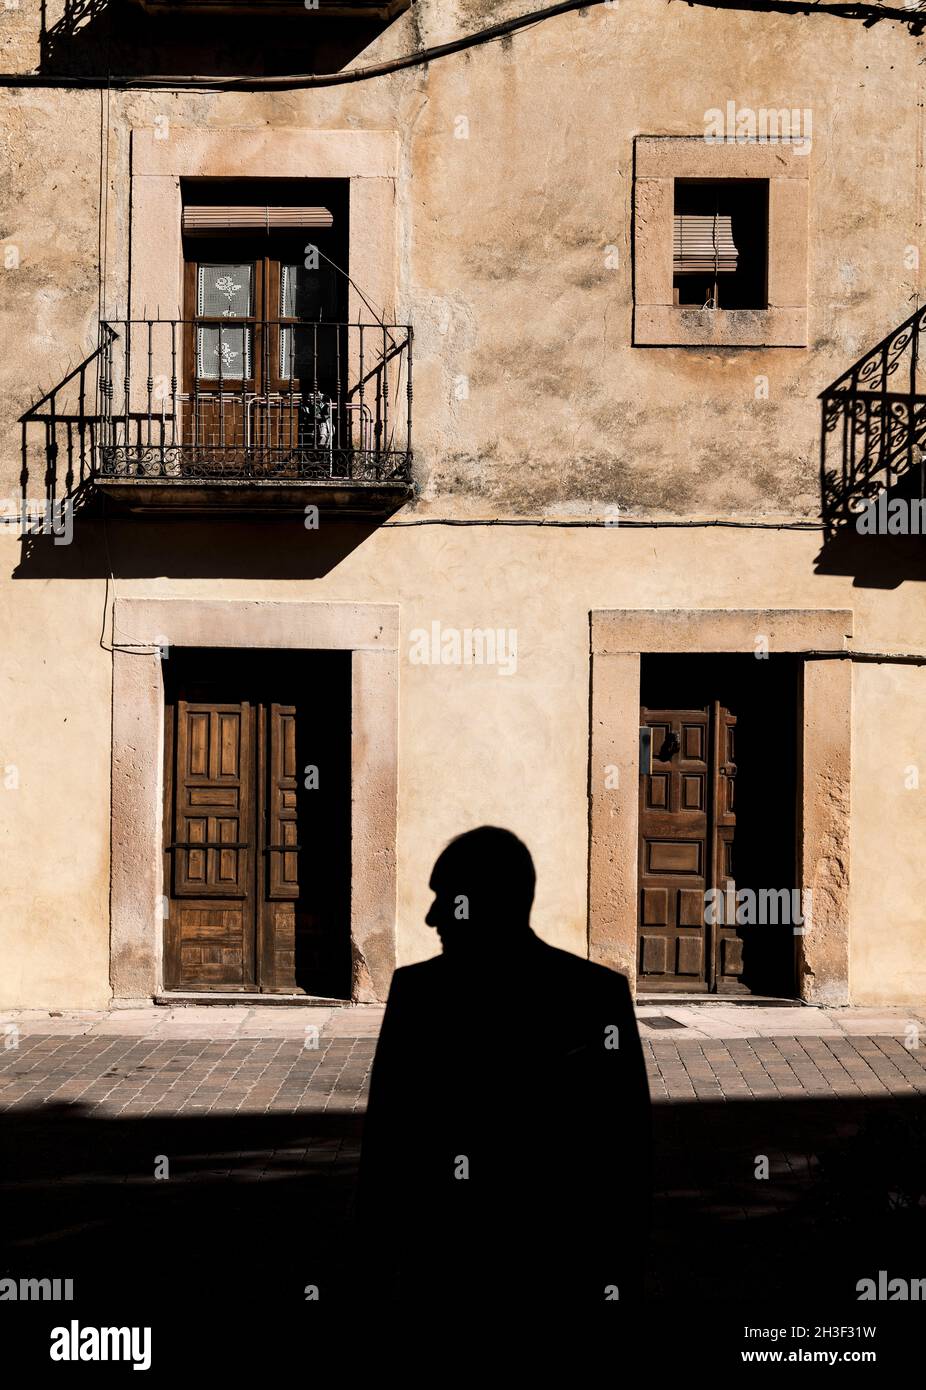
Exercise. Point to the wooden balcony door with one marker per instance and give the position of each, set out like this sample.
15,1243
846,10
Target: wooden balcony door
687,830
260,340
244,910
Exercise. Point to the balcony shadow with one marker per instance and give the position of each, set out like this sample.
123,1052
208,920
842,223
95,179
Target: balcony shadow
221,548
866,14
873,562
94,37
873,464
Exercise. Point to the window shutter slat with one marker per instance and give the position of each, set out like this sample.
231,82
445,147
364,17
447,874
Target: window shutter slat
701,242
200,221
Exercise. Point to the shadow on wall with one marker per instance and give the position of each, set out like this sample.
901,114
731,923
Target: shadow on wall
873,463
83,540
94,37
874,562
73,531
220,548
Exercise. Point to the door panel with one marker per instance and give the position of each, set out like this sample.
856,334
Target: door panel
213,800
279,903
687,826
282,793
213,948
224,350
674,851
210,939
727,942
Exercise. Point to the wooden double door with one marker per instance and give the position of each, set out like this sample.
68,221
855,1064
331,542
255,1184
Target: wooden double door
258,895
687,836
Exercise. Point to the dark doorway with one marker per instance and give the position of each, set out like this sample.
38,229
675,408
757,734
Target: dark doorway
718,811
257,821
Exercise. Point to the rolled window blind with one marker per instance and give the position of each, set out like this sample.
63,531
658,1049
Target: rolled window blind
702,242
199,221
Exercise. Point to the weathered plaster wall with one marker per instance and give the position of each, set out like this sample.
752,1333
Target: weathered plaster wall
55,703
887,945
503,267
504,262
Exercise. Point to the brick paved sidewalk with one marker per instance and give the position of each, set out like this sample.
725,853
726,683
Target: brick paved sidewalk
261,1122
255,1059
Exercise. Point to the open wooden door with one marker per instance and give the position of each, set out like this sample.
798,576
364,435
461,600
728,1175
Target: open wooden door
687,828
281,850
726,966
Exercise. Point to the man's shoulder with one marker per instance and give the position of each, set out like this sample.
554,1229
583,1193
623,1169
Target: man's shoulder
584,974
421,967
417,975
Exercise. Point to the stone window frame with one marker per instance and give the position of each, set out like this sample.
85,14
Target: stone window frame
619,637
160,159
657,321
370,632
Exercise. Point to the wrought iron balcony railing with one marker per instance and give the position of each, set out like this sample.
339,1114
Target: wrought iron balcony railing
60,435
229,402
873,436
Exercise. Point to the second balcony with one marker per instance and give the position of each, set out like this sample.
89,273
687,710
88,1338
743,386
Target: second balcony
231,413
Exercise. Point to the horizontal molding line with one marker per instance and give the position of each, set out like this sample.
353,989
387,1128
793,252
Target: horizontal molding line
823,654
12,519
608,525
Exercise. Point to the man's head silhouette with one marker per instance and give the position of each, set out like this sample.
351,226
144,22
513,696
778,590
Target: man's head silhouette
483,885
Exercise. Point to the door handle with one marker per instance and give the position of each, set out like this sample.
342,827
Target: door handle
728,770
670,746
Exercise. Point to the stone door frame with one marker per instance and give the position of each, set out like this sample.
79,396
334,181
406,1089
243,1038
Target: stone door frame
143,629
619,637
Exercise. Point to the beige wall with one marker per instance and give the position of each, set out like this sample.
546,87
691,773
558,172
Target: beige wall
501,250
474,745
887,944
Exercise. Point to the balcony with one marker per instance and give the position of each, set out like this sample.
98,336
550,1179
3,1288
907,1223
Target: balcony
873,438
270,415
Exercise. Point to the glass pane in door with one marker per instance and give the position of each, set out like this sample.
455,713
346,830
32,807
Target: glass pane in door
227,292
308,352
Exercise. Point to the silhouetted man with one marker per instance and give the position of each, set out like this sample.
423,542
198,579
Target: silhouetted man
506,1147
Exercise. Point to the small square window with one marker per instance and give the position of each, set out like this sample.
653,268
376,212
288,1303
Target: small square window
720,243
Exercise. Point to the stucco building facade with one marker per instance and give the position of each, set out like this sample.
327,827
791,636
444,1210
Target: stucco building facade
516,480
